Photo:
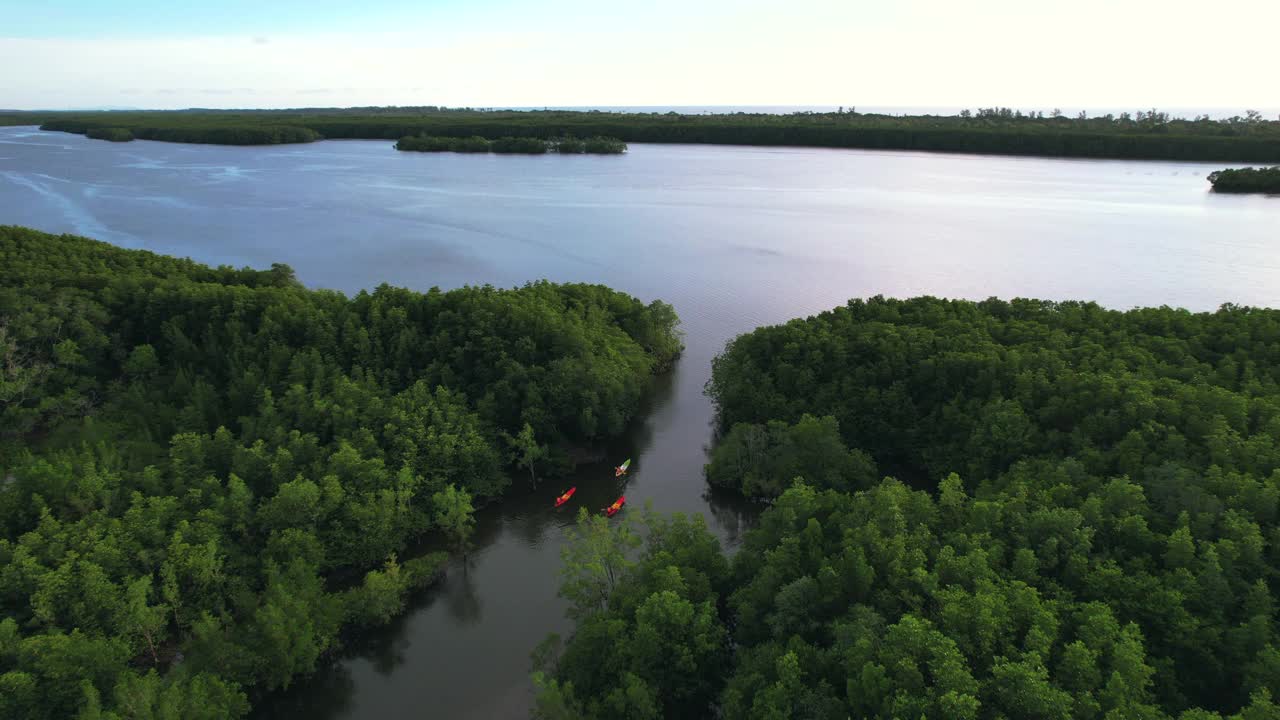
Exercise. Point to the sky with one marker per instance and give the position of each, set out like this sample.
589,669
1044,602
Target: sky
68,54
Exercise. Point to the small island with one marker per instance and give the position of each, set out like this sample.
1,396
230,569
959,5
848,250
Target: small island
512,145
1246,180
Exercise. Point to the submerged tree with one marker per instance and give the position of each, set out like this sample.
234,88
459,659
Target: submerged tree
455,516
528,451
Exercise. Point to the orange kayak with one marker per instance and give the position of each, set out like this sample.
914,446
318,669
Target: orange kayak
565,497
615,507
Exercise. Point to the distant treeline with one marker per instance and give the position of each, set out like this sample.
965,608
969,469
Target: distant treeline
525,145
1247,180
1144,135
211,134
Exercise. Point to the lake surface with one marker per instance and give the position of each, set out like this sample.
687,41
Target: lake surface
733,237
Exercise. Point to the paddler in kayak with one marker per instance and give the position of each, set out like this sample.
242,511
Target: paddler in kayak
615,507
562,499
622,469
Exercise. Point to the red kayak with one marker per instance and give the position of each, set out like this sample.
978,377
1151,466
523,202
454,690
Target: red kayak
565,497
615,507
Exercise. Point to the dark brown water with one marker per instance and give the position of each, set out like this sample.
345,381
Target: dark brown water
734,237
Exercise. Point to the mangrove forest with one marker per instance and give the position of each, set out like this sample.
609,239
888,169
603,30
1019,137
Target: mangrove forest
208,473
1246,180
1142,135
976,510
513,145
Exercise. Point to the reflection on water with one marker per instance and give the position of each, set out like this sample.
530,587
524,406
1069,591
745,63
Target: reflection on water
732,514
733,237
329,694
461,597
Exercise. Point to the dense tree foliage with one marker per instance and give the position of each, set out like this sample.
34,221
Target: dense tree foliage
114,134
525,145
1144,135
428,143
191,456
650,643
928,387
1247,180
592,146
760,460
1107,550
167,127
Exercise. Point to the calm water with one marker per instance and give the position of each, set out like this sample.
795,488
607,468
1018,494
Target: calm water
734,237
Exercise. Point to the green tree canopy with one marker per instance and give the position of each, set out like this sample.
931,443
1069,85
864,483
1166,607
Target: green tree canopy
189,455
1085,527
